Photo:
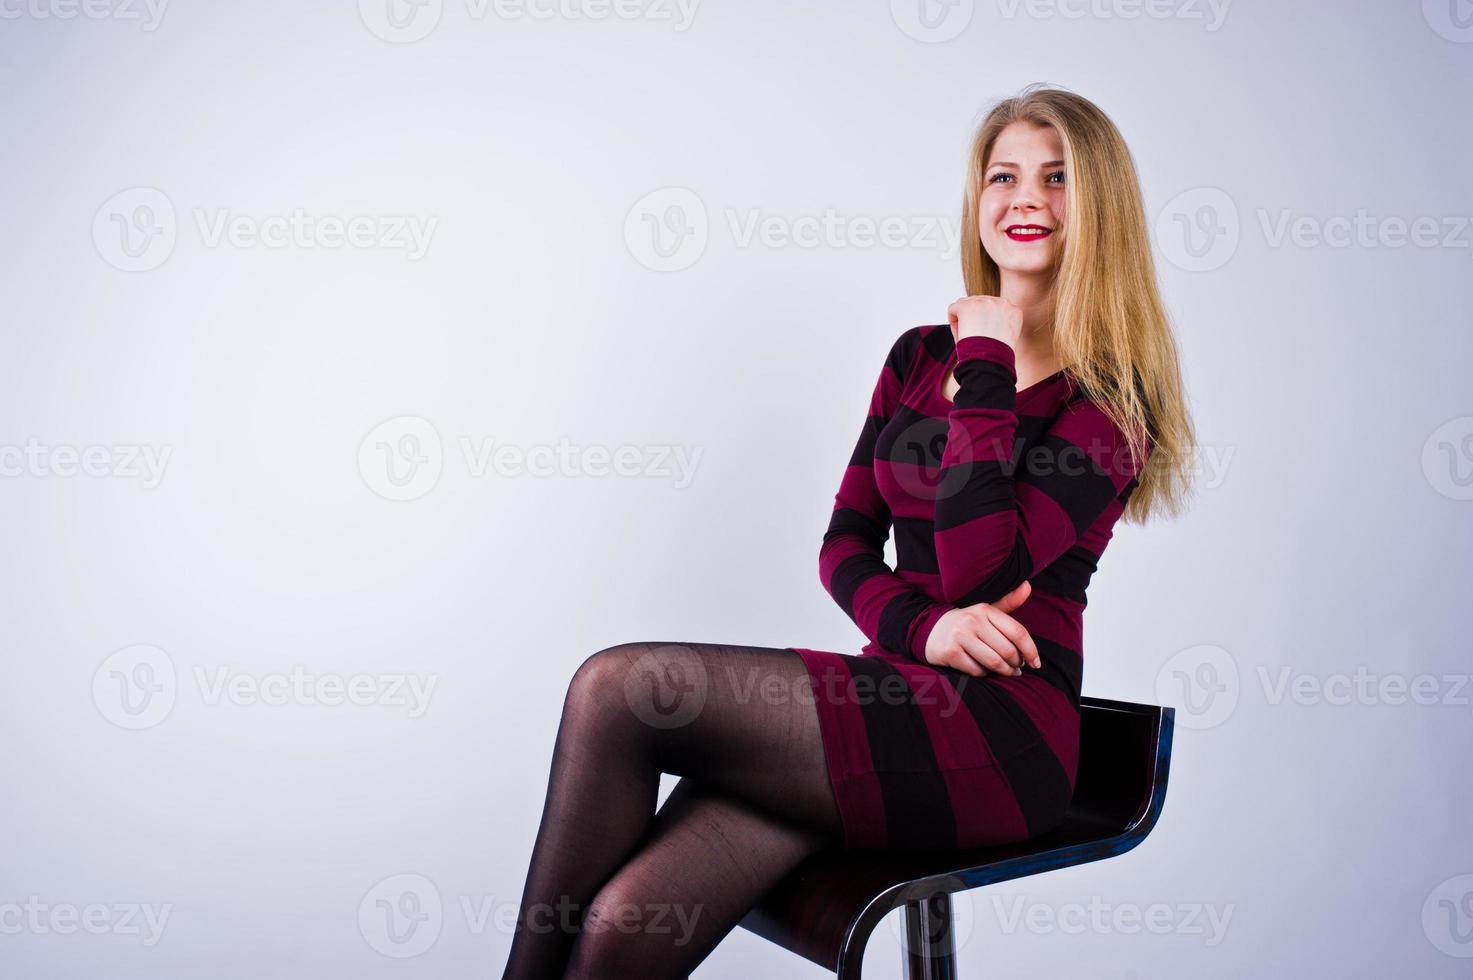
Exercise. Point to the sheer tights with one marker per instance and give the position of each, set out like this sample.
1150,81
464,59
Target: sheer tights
615,889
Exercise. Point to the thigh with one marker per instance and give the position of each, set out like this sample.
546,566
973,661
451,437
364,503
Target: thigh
738,718
709,857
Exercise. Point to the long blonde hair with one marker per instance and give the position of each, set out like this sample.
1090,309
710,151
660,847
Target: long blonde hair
1110,330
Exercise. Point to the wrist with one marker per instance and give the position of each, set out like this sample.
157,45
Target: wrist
921,628
981,347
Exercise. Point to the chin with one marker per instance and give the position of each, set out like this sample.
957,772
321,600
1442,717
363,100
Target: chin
1033,267
1034,263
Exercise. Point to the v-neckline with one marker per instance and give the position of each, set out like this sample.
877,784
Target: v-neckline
950,365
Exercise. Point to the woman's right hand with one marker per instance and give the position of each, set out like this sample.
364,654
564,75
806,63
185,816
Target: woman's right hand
983,637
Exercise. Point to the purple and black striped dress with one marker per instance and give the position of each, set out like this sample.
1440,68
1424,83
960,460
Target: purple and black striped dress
993,488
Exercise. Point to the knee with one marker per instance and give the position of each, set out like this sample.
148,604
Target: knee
597,687
658,685
607,668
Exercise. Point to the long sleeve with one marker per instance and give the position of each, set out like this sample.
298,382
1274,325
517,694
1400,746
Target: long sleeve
851,562
995,528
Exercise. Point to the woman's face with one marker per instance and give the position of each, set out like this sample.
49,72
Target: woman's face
1021,214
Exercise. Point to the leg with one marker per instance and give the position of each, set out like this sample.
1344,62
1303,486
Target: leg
741,719
709,858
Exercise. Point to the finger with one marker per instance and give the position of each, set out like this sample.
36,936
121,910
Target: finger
987,652
1003,646
1011,600
954,656
1018,634
1015,598
963,661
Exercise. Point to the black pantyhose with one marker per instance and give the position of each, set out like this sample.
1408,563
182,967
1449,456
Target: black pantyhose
615,889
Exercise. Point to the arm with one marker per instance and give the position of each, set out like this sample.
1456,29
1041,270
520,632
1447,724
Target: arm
994,529
851,562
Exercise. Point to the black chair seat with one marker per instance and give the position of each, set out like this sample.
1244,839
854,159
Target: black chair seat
827,907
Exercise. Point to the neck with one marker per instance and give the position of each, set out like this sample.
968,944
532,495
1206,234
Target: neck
1034,295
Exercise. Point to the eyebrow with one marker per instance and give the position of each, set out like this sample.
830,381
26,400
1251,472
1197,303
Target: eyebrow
1004,163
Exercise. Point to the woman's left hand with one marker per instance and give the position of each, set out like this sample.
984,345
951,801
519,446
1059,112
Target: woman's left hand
986,316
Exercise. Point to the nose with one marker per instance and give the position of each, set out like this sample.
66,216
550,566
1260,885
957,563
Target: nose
1029,198
1026,202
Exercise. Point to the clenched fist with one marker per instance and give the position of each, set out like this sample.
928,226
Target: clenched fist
986,316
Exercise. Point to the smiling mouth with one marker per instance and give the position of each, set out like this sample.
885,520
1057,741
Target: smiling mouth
1027,233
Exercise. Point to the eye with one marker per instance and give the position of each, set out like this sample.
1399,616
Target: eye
1059,174
998,176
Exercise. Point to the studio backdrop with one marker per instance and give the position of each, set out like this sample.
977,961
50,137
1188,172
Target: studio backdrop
366,368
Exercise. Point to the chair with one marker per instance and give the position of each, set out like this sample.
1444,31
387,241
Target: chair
826,908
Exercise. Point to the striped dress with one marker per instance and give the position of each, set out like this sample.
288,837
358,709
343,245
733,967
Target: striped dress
983,492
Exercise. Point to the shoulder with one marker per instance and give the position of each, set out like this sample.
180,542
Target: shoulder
929,340
1083,421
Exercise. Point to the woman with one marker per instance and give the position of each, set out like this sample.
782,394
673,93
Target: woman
1002,448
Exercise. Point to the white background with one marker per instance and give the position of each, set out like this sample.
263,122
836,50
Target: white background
1328,378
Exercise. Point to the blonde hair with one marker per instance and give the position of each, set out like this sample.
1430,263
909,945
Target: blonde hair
1110,330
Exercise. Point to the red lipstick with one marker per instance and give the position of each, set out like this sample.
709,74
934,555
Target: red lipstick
1027,233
